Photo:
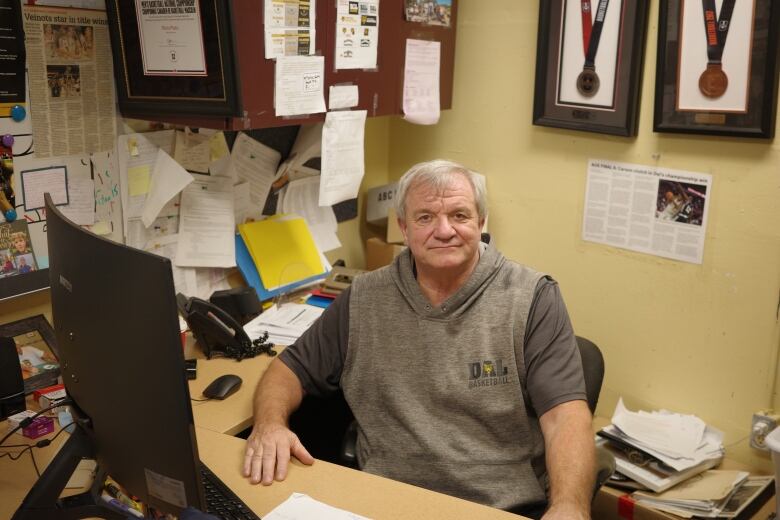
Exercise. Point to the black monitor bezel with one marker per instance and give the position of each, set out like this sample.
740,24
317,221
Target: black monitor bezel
138,413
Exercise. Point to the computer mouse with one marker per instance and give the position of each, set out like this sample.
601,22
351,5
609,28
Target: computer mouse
222,387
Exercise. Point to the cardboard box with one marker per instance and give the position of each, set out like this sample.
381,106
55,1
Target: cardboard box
616,504
379,253
378,201
394,234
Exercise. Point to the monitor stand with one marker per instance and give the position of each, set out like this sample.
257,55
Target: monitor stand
43,502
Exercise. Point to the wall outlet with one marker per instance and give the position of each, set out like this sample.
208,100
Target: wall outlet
764,421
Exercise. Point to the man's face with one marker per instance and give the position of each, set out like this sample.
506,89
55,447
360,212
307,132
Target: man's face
442,229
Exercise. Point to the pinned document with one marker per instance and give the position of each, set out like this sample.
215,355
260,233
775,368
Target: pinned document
299,85
343,162
168,179
206,224
421,82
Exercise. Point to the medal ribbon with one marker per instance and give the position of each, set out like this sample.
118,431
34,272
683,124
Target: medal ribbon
587,24
717,28
591,30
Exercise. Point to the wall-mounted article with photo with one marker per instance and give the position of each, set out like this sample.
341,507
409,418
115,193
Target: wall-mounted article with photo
658,211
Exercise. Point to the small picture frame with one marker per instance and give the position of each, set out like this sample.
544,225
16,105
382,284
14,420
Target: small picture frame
37,350
717,67
589,63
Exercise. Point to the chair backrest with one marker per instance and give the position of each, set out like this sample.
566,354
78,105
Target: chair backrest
593,367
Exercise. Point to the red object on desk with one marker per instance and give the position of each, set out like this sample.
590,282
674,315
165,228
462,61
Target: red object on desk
38,393
318,292
626,507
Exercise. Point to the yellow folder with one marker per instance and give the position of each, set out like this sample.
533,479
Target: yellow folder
282,249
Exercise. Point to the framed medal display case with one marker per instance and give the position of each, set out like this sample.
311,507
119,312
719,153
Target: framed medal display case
588,64
717,67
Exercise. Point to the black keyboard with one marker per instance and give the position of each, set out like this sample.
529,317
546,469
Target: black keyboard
220,500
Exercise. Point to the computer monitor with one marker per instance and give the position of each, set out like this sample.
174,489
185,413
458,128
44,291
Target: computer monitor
115,318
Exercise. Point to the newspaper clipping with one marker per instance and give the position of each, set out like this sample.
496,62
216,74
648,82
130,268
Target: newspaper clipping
652,210
71,80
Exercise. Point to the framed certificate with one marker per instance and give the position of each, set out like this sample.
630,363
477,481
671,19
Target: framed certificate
174,58
588,64
717,67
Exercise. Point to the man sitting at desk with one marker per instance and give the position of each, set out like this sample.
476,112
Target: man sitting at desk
460,366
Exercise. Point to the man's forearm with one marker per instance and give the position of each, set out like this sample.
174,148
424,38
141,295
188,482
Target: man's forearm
278,395
570,457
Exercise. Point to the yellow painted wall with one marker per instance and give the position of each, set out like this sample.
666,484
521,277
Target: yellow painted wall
693,338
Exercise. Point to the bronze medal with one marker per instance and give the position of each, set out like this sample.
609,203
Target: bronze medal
713,82
588,82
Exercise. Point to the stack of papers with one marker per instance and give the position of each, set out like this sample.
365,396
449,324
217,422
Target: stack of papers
284,324
660,449
713,494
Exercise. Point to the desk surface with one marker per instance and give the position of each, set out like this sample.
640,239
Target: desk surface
355,491
234,414
217,421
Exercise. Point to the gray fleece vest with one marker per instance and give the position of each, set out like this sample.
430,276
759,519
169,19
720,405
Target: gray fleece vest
438,393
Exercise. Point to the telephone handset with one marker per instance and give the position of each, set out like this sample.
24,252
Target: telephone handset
219,333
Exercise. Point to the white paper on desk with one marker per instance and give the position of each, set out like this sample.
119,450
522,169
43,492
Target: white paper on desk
343,96
343,163
421,101
299,85
673,434
301,197
284,324
81,208
168,179
303,507
256,163
207,224
136,154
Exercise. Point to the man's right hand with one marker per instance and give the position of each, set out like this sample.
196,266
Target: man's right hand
268,451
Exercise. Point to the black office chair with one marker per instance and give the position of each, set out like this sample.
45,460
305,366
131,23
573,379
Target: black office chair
593,369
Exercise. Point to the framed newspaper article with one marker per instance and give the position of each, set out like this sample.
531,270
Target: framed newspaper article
588,64
717,67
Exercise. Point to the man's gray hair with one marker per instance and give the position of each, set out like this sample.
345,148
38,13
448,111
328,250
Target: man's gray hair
439,174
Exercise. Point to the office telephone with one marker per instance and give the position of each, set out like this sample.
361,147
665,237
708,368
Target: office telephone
218,333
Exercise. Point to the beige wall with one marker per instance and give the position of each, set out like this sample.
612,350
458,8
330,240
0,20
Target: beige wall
693,338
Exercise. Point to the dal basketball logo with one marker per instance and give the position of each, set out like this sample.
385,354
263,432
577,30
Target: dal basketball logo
488,373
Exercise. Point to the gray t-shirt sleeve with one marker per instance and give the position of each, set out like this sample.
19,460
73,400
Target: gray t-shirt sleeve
553,364
317,357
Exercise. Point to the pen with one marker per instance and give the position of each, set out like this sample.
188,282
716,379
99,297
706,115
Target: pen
117,493
124,507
